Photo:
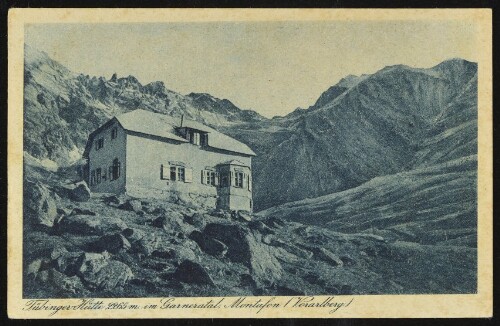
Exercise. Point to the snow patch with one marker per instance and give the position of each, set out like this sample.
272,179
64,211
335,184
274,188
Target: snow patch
74,155
45,163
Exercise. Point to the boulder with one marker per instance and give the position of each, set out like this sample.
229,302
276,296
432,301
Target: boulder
221,213
155,210
39,204
246,248
170,221
159,266
63,284
82,211
90,262
132,205
329,257
167,253
80,192
58,251
267,239
209,245
151,243
68,262
64,211
275,222
133,234
292,249
192,273
244,215
110,242
285,256
90,225
108,276
177,253
197,220
146,244
261,227
112,200
34,267
159,222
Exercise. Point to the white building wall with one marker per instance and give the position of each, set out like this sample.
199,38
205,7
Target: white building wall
145,157
103,158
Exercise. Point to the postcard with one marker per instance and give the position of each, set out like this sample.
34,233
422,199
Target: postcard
262,163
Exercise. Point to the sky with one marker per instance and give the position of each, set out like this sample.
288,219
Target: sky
269,67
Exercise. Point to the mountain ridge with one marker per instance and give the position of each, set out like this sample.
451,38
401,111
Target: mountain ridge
362,127
64,107
382,125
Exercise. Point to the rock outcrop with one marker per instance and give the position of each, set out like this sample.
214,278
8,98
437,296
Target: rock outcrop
192,272
90,225
246,247
39,204
209,245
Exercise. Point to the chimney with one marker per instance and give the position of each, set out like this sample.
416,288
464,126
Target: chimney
182,120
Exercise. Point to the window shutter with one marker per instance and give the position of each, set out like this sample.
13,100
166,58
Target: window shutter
188,175
250,182
217,176
231,178
165,172
203,176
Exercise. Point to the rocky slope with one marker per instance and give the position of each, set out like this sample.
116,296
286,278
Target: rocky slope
107,246
370,190
61,107
395,120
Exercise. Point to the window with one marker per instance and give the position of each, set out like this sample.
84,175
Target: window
181,174
177,173
114,133
92,178
98,175
238,179
115,169
195,139
209,177
204,139
99,144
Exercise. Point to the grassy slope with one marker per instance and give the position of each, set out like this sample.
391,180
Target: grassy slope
429,205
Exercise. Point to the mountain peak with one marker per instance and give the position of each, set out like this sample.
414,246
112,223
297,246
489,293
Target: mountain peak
32,55
156,87
350,81
455,63
201,96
